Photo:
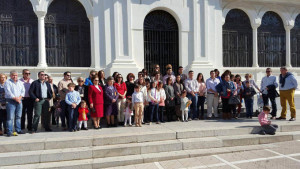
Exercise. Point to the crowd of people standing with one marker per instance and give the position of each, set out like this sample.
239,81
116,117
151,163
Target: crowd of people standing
149,98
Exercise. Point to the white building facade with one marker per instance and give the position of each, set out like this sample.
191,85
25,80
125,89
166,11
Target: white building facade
244,36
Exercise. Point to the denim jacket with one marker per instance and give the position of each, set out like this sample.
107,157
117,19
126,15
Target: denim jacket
224,86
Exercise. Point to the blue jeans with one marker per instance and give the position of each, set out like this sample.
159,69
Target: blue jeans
154,109
14,113
193,109
73,115
249,107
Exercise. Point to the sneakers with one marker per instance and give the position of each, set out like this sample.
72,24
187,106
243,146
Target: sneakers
292,119
280,118
15,134
21,132
190,119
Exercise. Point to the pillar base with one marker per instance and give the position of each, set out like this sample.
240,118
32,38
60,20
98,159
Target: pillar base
123,67
42,65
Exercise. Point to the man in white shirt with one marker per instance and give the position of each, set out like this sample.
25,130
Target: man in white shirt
192,88
212,94
268,88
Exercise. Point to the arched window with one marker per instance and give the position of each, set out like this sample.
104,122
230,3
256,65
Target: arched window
67,34
161,43
18,33
237,40
271,41
295,43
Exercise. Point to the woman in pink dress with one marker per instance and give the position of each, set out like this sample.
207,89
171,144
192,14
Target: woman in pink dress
95,95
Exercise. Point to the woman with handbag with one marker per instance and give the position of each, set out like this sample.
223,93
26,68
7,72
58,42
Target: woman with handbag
226,91
95,96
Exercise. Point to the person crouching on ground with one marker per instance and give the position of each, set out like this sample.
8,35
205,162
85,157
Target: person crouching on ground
267,127
72,99
138,101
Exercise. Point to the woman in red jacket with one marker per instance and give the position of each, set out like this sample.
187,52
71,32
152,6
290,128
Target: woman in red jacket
95,95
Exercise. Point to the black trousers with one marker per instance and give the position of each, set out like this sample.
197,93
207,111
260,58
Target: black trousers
201,100
27,111
273,102
170,111
270,129
3,117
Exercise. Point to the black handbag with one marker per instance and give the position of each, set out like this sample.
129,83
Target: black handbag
234,100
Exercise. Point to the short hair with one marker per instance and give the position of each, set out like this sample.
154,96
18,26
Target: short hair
82,101
93,71
110,78
71,85
212,71
136,86
80,78
24,70
66,73
128,76
169,68
269,69
283,67
183,92
191,71
266,108
41,72
247,82
180,67
2,74
13,72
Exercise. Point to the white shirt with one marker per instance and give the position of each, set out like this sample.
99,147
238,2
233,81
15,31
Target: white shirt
97,87
137,97
162,94
191,85
211,84
153,94
266,81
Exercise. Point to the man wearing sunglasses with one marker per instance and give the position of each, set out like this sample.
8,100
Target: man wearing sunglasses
40,91
63,90
27,110
268,88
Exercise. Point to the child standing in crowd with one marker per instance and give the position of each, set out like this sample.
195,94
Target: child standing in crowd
128,112
153,99
83,111
72,99
58,110
185,103
249,92
267,127
161,104
138,101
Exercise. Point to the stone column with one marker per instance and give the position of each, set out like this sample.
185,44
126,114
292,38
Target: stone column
42,38
255,44
94,33
288,45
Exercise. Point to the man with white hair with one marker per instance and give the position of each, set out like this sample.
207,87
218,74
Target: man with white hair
14,92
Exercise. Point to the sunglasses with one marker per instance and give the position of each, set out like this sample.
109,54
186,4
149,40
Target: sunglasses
68,75
157,68
27,73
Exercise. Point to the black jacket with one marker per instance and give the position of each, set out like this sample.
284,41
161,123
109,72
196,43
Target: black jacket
35,90
249,90
272,92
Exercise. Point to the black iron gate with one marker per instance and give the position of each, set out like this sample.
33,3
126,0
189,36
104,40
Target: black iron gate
161,42
18,33
271,41
295,43
67,34
237,40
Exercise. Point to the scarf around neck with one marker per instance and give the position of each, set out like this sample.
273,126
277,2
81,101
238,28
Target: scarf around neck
282,79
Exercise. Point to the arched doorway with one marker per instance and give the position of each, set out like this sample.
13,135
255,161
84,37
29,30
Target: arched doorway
67,35
295,43
18,33
271,41
161,41
237,40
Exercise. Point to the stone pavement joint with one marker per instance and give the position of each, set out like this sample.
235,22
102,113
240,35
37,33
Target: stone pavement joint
226,162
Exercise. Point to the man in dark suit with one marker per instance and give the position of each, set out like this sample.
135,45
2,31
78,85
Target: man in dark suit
40,91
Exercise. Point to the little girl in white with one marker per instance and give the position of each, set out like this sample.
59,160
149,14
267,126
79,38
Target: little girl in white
128,112
185,103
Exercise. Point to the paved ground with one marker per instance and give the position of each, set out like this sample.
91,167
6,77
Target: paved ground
278,156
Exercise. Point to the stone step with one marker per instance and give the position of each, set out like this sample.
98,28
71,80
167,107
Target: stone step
126,138
113,154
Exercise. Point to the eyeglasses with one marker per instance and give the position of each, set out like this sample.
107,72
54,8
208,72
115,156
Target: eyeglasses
68,75
27,73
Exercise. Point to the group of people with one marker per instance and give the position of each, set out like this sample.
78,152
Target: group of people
149,98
